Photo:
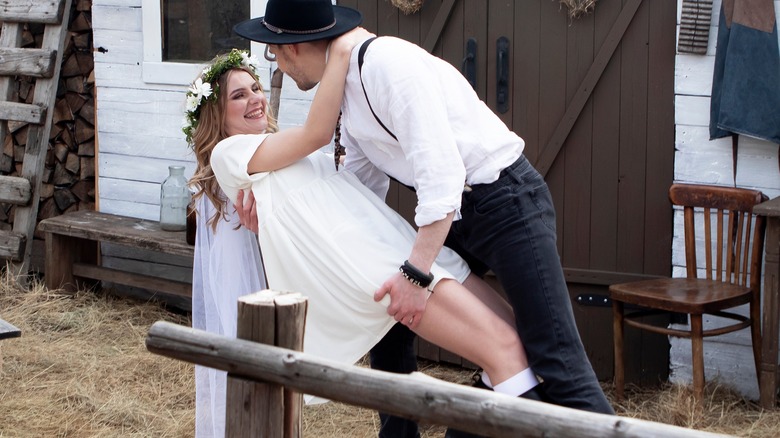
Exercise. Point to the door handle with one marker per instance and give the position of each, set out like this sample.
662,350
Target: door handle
469,67
502,74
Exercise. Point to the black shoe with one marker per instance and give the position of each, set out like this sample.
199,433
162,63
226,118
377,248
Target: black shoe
536,393
477,382
453,433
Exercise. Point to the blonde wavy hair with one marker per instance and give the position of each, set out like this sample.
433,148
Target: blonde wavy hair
209,131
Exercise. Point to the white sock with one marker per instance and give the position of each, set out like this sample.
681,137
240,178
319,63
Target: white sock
518,384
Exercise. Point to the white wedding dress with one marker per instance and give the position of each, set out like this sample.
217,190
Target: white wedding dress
226,266
325,235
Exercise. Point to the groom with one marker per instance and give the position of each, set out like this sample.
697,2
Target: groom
411,116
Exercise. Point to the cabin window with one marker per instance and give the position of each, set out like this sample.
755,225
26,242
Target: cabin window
181,36
198,30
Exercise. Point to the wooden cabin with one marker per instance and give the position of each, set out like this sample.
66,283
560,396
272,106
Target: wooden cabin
611,110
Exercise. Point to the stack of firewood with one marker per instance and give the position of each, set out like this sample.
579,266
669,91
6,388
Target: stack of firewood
68,181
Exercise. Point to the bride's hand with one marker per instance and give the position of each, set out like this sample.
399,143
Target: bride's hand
346,42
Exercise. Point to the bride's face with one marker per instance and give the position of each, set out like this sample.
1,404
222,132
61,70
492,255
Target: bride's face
245,109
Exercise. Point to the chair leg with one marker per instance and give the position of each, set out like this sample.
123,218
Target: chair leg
755,334
697,356
617,337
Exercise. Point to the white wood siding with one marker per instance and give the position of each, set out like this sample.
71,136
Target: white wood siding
728,358
139,123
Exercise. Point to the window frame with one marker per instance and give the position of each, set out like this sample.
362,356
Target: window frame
155,70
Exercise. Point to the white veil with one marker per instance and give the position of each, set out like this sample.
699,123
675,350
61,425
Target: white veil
223,269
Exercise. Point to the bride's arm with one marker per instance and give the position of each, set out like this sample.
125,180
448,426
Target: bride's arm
284,148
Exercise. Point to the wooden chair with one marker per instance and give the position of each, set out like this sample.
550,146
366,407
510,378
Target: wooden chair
730,279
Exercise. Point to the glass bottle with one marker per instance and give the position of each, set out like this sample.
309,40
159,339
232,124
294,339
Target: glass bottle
174,197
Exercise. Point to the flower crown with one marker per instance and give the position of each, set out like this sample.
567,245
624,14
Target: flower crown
205,87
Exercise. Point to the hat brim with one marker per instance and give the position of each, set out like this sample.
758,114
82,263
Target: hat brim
254,29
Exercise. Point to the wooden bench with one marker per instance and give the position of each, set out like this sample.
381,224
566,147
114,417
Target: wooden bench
72,250
8,331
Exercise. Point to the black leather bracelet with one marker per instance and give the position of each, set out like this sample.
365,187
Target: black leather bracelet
415,276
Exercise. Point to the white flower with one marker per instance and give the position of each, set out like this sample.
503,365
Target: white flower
250,61
192,102
200,89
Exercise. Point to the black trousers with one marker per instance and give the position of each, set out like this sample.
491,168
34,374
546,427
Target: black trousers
395,354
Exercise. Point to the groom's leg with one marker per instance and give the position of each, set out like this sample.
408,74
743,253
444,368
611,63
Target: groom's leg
395,353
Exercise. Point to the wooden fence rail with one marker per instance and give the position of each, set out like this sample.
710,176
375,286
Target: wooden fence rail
414,396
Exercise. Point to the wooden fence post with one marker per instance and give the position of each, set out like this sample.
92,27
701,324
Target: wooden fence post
264,409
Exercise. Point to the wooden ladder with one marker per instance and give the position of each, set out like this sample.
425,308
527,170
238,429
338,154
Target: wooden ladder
43,64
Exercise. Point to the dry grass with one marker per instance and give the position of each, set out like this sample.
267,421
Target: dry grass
80,369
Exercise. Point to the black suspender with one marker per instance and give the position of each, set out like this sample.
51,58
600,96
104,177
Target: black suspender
361,54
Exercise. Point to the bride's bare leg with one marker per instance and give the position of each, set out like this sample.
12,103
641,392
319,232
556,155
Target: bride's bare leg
490,297
457,320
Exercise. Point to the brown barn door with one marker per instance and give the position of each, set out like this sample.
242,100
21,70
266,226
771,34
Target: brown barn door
593,99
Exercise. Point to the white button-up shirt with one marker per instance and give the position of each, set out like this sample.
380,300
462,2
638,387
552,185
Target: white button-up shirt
446,135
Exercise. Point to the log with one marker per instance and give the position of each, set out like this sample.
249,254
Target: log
83,131
15,190
291,320
84,5
55,132
32,11
82,23
87,167
66,136
48,208
254,408
262,409
11,244
73,163
87,149
27,38
22,112
64,199
75,102
38,63
62,176
84,190
82,41
76,84
414,396
70,67
62,112
60,151
46,191
20,136
6,163
25,86
19,154
87,111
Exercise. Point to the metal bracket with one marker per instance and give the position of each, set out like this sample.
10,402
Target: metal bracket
594,300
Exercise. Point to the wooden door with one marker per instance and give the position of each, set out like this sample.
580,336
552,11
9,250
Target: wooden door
593,98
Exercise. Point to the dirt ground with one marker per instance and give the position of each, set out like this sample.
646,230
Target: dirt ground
81,369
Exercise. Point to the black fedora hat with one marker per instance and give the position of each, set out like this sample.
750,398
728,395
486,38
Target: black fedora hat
298,21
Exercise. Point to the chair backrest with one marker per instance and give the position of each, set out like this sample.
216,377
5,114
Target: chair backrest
737,235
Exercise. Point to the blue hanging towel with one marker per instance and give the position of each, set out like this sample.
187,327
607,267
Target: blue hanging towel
746,80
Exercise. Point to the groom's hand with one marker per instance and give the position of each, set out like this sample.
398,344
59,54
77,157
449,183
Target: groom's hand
407,301
247,211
